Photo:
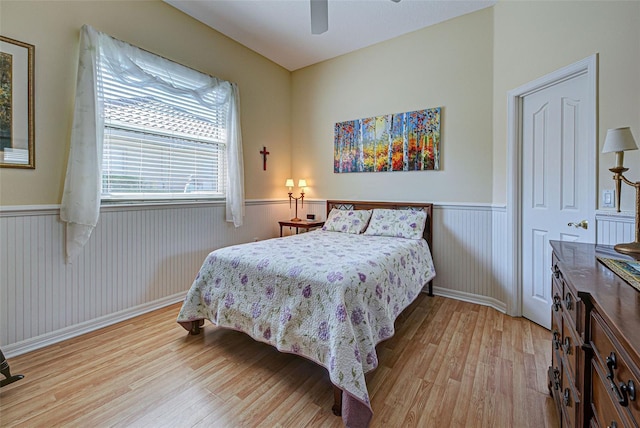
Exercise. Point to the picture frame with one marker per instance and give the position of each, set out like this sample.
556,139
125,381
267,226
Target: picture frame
408,141
17,135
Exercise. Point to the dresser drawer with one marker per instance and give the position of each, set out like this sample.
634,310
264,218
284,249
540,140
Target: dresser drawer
555,380
570,346
555,374
556,332
604,410
564,298
556,296
572,307
623,384
570,399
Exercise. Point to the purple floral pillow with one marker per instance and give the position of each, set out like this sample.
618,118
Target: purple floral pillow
347,221
399,223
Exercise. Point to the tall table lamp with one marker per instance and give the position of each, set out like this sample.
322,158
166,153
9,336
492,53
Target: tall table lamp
619,140
302,183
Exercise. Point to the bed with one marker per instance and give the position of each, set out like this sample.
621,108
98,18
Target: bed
329,295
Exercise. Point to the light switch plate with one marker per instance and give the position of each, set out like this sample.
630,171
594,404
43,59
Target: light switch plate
608,198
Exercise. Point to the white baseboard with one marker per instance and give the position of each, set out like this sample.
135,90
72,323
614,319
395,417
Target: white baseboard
471,298
57,336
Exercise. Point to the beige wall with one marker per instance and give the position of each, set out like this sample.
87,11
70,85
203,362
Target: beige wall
53,27
535,38
467,65
448,65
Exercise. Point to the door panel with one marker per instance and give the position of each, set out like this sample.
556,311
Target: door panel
539,253
539,159
570,145
554,194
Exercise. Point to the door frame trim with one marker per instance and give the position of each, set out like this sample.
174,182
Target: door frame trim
588,66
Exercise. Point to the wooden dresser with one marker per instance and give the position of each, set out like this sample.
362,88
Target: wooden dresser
594,376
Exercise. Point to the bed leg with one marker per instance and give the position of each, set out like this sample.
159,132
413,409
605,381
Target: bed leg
430,293
337,401
195,327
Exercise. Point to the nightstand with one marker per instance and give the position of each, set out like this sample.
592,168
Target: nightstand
302,224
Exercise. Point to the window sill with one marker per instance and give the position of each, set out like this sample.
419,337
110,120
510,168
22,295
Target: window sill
108,205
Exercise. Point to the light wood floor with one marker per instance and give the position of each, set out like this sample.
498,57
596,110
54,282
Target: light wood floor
450,363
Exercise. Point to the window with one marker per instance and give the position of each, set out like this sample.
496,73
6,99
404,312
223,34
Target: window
158,144
145,128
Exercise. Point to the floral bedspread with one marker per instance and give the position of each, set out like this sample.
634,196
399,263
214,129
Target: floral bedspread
327,296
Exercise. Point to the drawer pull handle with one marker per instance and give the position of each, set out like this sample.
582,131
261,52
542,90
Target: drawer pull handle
556,303
624,392
611,364
556,339
631,390
567,346
613,424
556,271
556,379
567,397
568,302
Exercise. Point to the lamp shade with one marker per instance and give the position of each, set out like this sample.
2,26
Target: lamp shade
619,140
302,183
289,183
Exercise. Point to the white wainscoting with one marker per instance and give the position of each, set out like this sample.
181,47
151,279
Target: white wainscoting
613,227
142,258
469,251
138,259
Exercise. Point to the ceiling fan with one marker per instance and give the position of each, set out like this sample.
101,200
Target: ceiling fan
320,15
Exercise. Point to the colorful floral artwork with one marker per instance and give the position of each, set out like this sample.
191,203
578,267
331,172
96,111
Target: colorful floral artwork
394,142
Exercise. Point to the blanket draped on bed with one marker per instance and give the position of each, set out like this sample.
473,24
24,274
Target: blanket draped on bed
327,296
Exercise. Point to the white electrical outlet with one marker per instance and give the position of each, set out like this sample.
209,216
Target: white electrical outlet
608,198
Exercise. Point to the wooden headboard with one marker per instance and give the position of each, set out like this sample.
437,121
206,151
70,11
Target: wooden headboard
366,205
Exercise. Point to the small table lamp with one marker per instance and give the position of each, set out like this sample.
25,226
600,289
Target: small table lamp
619,140
302,183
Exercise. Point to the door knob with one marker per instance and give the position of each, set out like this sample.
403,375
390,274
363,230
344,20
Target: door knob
583,224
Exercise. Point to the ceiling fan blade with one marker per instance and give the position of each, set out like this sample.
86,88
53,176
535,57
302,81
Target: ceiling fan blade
319,16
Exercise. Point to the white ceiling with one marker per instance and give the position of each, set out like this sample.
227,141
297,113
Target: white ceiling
281,30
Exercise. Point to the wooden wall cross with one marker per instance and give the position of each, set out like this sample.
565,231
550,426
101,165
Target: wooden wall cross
264,154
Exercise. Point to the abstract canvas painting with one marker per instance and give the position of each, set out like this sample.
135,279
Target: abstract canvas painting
394,142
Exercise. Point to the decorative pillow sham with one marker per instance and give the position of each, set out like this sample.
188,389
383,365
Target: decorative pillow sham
399,223
347,221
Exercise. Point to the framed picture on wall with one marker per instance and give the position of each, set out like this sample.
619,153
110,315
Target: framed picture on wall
16,104
407,141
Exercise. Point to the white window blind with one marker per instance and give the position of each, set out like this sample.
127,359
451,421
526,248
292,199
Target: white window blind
159,144
145,127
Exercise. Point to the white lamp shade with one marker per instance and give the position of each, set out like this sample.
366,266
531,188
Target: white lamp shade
619,140
302,183
289,183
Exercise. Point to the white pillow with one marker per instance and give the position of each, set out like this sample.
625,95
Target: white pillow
399,223
347,221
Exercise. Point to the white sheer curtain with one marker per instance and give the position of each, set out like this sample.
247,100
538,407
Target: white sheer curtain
80,205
